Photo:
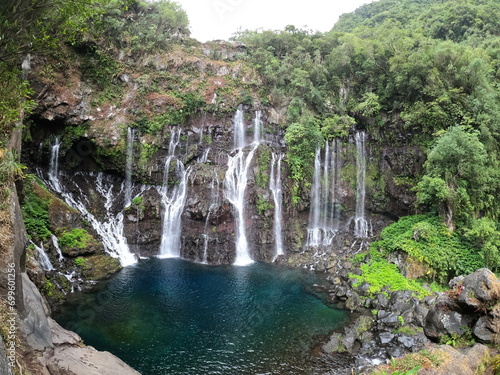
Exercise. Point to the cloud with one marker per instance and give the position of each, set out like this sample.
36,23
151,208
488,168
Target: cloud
219,19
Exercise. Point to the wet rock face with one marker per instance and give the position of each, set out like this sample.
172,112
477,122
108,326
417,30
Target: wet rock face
94,134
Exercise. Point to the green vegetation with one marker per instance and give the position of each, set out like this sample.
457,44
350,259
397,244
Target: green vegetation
382,275
411,363
80,262
138,27
302,140
263,205
263,160
495,363
137,201
182,105
424,68
77,238
458,341
35,209
426,239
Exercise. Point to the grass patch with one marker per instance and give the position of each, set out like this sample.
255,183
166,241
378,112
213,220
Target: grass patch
411,363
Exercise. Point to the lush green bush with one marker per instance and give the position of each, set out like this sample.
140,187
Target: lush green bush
76,238
426,239
142,27
381,274
302,140
35,211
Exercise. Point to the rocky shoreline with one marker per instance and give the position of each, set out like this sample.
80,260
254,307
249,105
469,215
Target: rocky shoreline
394,324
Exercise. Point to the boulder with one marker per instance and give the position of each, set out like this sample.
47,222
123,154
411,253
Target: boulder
33,324
478,289
334,345
72,360
70,357
353,302
441,321
487,330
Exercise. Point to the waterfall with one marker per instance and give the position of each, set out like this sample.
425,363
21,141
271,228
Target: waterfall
257,124
111,229
324,215
175,138
43,258
128,166
314,231
275,187
55,242
54,165
173,200
235,184
361,228
239,128
214,204
336,178
204,157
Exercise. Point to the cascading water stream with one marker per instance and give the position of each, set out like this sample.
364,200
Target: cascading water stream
323,218
235,184
128,166
361,227
204,157
55,242
43,258
111,229
173,200
276,190
214,204
239,128
257,124
54,166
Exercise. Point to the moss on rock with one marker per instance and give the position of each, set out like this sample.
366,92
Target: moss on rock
98,267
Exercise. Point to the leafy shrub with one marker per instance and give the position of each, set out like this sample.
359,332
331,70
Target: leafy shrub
80,262
137,201
380,274
302,140
76,238
426,239
35,211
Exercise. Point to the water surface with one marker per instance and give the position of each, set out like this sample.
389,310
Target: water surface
171,316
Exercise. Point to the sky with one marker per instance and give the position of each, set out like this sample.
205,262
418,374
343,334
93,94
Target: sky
219,19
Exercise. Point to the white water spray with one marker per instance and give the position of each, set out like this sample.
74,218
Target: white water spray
43,258
276,190
111,229
55,242
173,200
324,215
257,125
361,226
235,184
54,166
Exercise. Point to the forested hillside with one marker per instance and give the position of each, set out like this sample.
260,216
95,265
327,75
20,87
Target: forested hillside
423,71
390,117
